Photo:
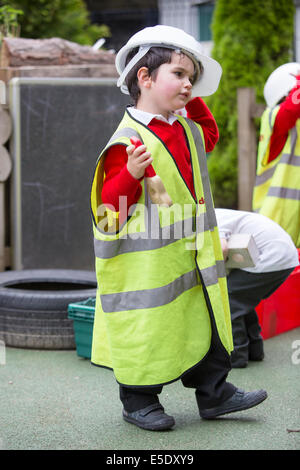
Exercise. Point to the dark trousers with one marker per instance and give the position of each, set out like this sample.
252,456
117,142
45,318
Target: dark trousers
246,290
208,378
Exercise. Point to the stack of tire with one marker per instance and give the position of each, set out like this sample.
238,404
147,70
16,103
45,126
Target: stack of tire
34,306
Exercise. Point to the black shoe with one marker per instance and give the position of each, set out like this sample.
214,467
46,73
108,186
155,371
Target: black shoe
239,401
152,418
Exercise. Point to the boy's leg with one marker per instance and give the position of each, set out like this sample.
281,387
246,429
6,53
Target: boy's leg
256,345
142,408
246,290
240,354
215,396
272,281
209,376
135,399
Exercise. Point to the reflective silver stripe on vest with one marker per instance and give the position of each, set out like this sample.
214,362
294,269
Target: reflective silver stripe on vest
212,221
284,193
124,132
265,176
286,158
270,117
151,298
144,241
210,275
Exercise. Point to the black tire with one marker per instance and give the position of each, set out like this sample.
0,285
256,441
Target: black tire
34,306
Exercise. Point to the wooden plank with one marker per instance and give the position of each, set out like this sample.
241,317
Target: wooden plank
59,71
246,147
16,52
257,110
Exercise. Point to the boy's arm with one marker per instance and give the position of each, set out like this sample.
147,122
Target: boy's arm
288,114
198,111
118,181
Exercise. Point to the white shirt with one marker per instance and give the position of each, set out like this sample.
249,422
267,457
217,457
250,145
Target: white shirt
276,248
145,118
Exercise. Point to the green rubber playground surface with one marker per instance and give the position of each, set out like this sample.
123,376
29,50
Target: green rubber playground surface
55,400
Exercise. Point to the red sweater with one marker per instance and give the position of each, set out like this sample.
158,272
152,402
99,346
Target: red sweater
286,118
119,182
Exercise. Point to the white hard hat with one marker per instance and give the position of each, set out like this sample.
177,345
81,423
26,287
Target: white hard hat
168,36
280,83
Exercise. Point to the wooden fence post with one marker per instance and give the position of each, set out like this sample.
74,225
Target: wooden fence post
247,145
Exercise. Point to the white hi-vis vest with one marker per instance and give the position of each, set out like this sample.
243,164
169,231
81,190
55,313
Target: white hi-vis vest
277,186
161,276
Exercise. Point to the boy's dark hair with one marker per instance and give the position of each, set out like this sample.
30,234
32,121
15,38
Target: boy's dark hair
155,57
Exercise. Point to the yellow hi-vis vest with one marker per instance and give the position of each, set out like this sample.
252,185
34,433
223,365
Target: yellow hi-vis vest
277,187
161,276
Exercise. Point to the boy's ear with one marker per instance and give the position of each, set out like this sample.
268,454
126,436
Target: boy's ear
144,79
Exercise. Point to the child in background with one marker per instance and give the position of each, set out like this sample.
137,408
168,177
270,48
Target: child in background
277,187
278,257
162,310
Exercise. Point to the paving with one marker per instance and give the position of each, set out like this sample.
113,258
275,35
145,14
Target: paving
55,400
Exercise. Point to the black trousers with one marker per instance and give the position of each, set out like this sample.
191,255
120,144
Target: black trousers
246,290
208,378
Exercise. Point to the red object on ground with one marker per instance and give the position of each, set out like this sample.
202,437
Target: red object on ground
281,311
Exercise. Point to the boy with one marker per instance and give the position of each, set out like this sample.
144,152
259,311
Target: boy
277,187
278,257
162,311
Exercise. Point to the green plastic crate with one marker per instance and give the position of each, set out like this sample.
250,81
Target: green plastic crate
82,313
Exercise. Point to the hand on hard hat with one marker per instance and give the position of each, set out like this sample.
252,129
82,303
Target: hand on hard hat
281,81
296,75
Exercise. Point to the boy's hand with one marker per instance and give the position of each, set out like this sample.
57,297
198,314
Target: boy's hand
138,160
224,248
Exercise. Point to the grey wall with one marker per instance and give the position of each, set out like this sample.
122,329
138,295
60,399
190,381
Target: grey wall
60,127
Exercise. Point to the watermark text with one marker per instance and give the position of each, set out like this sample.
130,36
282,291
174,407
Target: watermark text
296,352
2,353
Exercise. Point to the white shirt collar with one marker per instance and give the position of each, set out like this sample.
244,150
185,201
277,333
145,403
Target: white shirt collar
145,118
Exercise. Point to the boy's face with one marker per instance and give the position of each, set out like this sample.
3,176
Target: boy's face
172,86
